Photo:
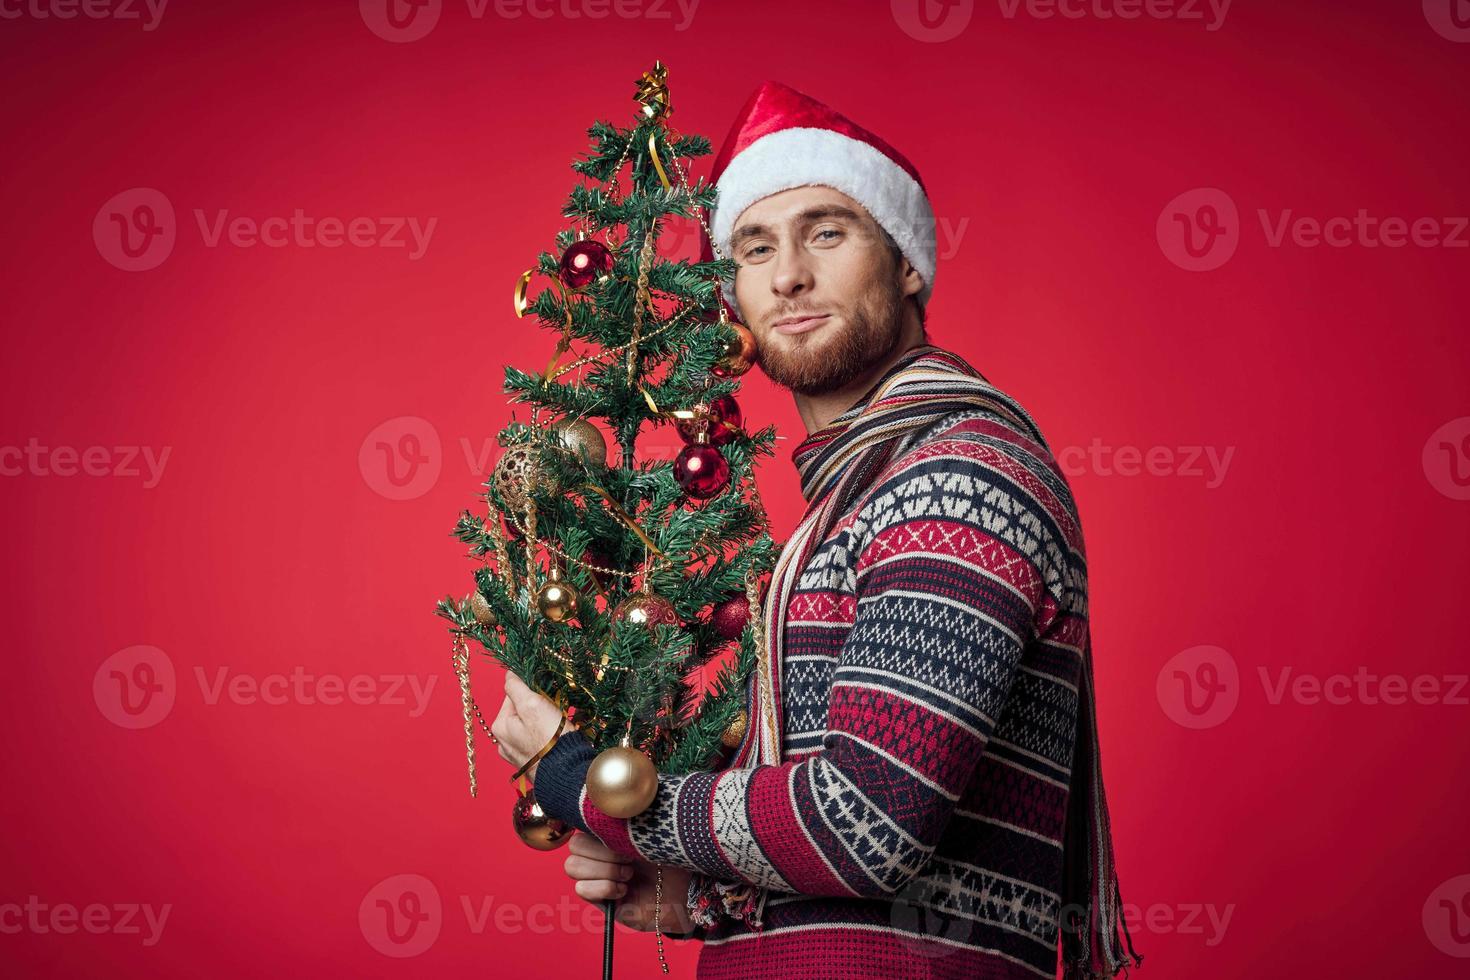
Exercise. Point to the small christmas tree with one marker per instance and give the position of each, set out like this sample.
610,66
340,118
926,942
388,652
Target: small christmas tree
610,585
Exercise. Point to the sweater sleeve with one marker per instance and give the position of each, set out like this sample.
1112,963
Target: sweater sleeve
956,571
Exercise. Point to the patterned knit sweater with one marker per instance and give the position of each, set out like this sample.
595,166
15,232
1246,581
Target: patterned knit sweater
933,656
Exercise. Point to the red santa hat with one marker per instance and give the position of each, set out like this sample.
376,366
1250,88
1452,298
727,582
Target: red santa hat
783,139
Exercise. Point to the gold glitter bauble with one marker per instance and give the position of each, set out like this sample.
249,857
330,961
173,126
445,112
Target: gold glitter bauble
622,782
583,439
535,827
480,609
556,599
516,473
735,731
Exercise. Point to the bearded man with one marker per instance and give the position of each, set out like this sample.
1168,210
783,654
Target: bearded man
919,792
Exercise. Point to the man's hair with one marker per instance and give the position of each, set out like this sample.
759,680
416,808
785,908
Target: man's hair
897,254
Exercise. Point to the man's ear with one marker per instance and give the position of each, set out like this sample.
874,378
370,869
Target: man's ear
909,279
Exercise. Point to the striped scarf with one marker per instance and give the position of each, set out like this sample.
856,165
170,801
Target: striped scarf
836,465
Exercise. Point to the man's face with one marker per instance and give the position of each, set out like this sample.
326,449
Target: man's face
816,254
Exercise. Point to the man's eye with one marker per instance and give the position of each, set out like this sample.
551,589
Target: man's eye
829,231
754,249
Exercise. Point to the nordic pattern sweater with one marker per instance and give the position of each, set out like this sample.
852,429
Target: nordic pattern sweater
933,656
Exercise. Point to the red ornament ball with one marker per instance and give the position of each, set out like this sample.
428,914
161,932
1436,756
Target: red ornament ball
724,420
646,609
594,557
730,617
701,470
584,261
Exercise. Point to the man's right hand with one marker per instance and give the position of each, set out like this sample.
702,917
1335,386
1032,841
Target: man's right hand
602,874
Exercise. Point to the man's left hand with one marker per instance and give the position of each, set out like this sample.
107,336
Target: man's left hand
526,722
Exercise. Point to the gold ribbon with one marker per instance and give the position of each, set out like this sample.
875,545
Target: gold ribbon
657,163
653,91
623,516
544,749
521,302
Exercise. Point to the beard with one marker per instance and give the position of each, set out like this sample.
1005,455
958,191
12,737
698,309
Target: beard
833,356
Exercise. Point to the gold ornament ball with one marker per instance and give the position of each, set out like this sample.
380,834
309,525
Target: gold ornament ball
622,782
516,472
740,352
735,731
583,439
480,609
535,827
556,599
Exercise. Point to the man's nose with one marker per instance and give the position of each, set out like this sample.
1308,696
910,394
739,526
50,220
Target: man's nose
793,273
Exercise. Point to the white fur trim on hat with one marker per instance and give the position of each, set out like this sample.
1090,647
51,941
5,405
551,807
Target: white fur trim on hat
802,156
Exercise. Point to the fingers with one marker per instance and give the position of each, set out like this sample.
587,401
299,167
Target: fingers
600,873
600,890
586,869
500,727
515,688
589,846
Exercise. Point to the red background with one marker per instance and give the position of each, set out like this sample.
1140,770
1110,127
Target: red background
1333,544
